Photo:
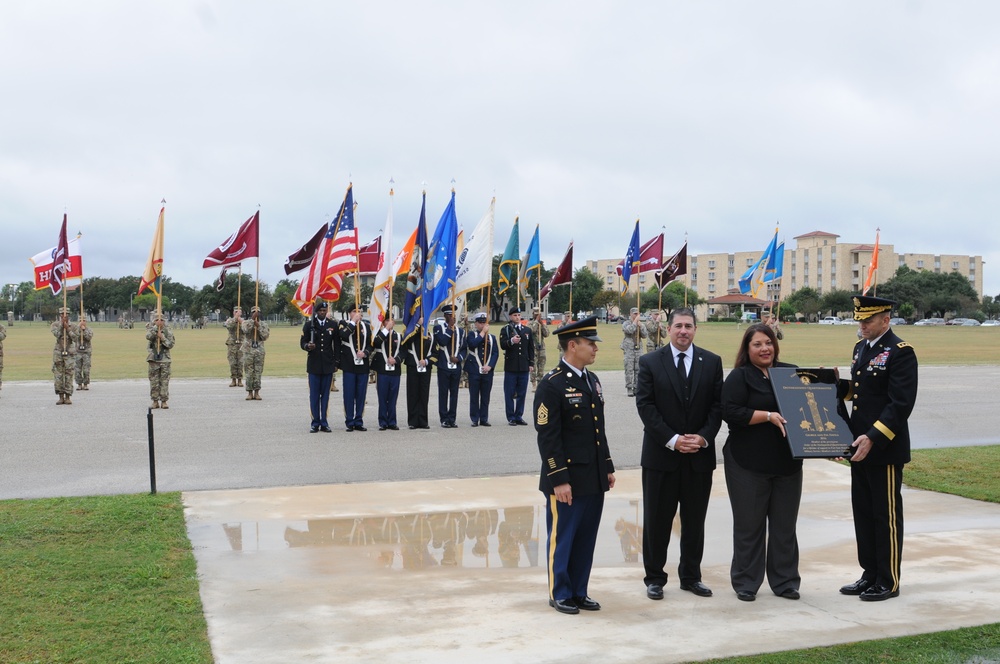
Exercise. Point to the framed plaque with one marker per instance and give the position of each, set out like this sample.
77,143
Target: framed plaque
807,399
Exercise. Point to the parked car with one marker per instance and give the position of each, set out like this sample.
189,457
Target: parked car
897,321
829,320
847,321
970,322
956,321
991,323
930,321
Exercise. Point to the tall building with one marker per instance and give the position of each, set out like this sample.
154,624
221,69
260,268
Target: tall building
818,260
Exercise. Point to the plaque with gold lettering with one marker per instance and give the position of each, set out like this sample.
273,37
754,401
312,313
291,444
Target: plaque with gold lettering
808,402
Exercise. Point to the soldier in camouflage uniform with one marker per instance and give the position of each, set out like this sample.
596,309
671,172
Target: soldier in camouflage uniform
3,335
234,347
64,356
161,340
255,333
539,331
657,334
634,331
83,353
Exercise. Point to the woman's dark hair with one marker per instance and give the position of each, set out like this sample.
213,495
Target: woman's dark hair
743,354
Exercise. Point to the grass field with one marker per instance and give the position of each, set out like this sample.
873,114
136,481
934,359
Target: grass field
201,353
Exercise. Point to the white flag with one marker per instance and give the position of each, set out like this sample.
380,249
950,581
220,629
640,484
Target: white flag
475,263
384,278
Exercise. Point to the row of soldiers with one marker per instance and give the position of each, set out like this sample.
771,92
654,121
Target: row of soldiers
653,330
245,350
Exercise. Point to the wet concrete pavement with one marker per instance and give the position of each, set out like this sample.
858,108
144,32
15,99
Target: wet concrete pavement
427,545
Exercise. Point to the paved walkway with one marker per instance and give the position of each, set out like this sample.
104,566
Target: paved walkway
453,571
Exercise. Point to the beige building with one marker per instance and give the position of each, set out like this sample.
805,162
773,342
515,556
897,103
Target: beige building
817,260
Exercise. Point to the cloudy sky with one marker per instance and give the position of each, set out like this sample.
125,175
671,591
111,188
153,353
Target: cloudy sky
715,119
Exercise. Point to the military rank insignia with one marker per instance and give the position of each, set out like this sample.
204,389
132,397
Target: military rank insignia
542,416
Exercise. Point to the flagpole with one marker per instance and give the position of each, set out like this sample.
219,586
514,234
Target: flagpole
357,262
685,272
239,295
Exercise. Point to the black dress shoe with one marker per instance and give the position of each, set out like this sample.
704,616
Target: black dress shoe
522,423
746,596
426,426
382,428
654,591
513,423
856,588
412,427
586,604
485,424
698,588
475,424
393,427
360,428
313,429
564,605
349,428
877,593
326,429
789,593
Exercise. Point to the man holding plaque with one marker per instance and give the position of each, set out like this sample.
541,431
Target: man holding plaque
882,389
678,395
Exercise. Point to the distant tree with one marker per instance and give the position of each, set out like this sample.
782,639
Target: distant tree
837,302
805,301
931,293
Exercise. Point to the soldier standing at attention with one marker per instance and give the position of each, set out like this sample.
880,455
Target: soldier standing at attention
518,361
480,361
539,332
576,465
657,334
882,389
633,330
387,362
355,360
83,353
417,351
234,347
467,326
320,340
255,333
161,340
64,356
3,335
449,344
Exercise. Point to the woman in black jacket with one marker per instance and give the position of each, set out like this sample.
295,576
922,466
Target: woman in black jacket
764,481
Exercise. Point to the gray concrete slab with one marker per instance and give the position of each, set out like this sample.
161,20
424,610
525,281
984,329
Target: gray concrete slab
453,571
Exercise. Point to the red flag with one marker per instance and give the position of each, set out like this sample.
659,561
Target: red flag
650,256
240,245
368,257
306,253
60,261
673,268
562,275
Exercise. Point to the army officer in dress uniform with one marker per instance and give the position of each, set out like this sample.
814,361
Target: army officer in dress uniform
882,388
576,465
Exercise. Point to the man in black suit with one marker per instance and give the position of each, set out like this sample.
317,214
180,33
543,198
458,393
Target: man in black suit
518,362
678,394
882,388
576,465
320,340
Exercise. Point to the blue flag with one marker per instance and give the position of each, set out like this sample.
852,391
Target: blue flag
631,258
776,265
412,314
748,284
530,261
442,262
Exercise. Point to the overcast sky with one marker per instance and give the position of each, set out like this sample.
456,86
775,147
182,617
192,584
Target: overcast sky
716,119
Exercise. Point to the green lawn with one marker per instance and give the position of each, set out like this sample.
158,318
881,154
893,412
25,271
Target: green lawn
202,353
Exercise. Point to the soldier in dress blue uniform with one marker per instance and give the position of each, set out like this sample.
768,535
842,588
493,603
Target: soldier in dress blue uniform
576,465
319,339
483,351
417,354
354,359
518,361
882,389
387,361
449,348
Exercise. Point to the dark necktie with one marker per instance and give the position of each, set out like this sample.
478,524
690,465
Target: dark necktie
682,373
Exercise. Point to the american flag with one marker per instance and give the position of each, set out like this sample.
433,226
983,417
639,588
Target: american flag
336,255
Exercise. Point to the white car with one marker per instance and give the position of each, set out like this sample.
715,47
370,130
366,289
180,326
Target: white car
848,321
991,323
829,320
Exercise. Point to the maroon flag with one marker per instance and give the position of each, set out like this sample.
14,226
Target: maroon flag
302,258
650,257
673,268
562,275
239,246
368,257
60,261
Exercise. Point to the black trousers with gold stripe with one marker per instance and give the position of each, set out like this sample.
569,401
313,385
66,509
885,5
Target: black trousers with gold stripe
572,536
878,521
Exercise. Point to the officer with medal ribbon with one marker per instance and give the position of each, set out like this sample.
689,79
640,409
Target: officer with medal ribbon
882,389
320,340
518,361
576,465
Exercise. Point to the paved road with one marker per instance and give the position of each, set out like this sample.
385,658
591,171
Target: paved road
211,438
